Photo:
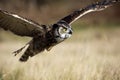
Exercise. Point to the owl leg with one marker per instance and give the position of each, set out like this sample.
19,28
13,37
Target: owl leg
19,50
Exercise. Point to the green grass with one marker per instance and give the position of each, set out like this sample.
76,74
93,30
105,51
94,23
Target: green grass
1,78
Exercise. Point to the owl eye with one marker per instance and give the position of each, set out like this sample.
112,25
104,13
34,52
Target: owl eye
64,29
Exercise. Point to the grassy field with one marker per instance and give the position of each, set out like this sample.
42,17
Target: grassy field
90,54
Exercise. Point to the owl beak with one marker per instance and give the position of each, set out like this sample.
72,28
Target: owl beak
70,32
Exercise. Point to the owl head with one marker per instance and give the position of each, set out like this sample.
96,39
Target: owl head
62,31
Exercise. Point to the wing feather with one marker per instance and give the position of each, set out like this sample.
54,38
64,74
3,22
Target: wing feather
19,25
91,8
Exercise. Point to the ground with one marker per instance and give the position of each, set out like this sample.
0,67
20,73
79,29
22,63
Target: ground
90,54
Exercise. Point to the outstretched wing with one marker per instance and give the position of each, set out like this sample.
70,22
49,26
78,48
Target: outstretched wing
19,25
91,8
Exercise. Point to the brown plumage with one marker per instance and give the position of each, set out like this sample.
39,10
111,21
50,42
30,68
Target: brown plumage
45,37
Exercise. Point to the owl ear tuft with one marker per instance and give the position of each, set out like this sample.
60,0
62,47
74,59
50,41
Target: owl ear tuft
55,25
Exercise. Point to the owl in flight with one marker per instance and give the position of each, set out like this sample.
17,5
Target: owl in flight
45,37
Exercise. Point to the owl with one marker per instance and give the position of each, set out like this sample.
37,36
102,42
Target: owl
45,37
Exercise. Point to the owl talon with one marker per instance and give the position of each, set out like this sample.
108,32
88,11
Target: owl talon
48,49
18,51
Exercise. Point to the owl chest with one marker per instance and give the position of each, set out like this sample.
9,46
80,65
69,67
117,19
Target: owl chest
50,40
44,42
39,43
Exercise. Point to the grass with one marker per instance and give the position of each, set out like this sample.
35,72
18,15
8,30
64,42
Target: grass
90,54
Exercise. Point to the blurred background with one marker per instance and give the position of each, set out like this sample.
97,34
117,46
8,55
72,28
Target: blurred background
49,11
92,53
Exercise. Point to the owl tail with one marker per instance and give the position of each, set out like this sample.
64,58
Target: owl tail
28,53
25,56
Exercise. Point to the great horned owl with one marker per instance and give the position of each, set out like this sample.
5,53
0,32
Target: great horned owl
45,37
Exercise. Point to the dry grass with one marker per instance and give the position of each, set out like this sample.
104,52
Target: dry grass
93,54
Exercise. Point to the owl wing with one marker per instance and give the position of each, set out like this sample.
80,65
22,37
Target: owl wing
19,25
91,8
